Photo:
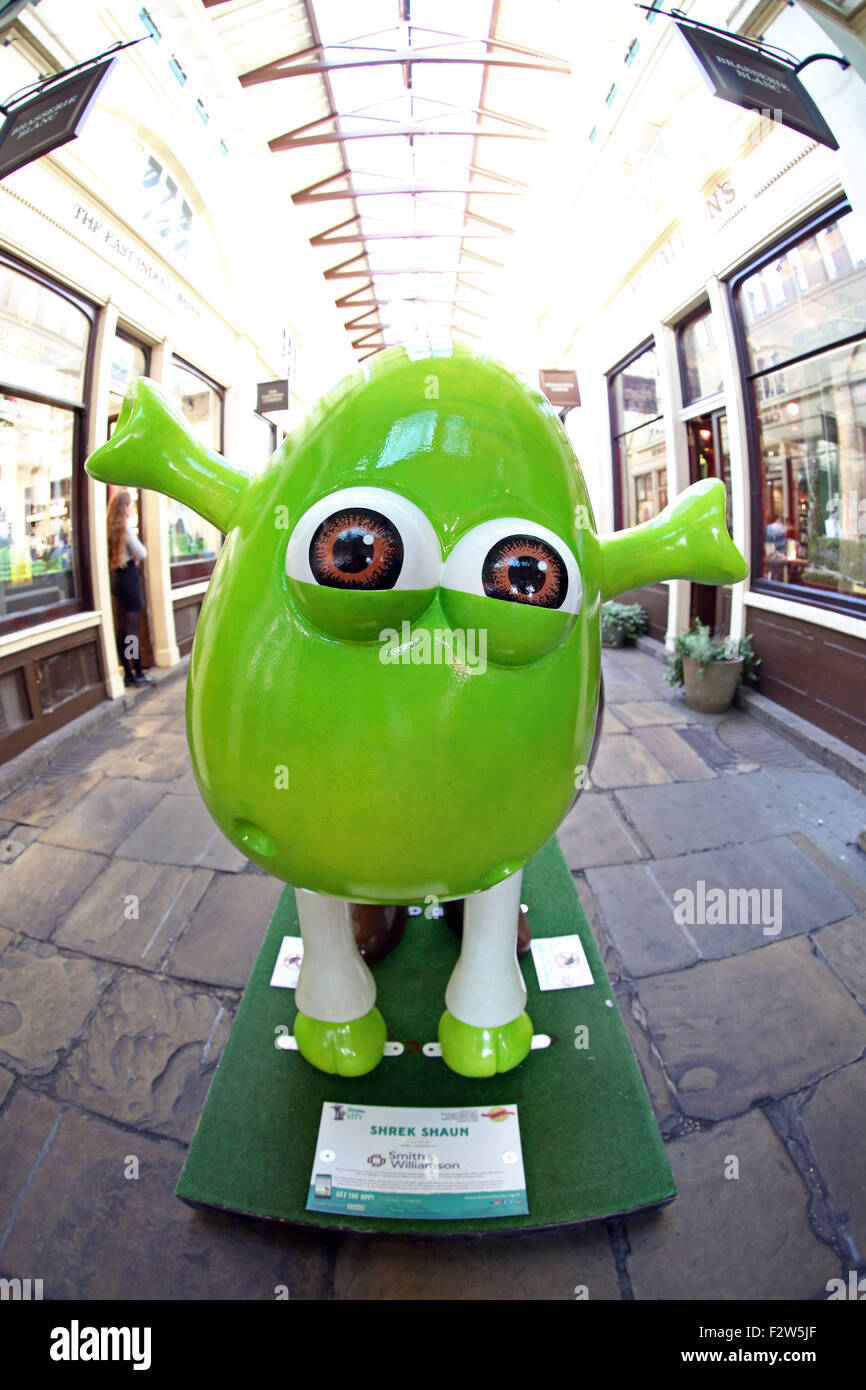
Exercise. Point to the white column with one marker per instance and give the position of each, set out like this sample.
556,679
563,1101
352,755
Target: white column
97,493
735,388
157,565
677,452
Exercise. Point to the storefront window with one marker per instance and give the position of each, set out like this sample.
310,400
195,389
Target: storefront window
190,537
128,361
639,439
43,338
43,354
811,296
264,443
36,455
699,359
811,413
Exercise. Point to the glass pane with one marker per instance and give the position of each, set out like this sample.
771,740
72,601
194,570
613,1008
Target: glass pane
813,473
811,296
264,444
36,522
128,361
643,474
635,393
190,536
43,338
702,371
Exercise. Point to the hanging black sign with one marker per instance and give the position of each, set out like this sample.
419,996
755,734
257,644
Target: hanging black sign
272,395
757,81
560,387
50,117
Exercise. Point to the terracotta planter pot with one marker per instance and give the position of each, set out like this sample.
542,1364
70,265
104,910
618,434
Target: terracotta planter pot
713,691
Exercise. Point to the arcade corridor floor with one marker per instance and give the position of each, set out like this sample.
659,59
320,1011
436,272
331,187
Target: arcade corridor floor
128,927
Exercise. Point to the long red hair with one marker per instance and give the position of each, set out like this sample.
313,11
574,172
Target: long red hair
117,517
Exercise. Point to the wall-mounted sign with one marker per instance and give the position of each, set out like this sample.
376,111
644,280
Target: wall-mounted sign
560,387
757,81
50,117
639,394
272,395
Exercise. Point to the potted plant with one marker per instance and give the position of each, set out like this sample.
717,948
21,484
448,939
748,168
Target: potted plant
710,668
621,623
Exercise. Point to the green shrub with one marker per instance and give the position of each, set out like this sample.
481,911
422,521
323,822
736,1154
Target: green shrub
700,644
628,618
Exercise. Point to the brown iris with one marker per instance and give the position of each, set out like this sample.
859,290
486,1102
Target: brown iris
356,549
524,569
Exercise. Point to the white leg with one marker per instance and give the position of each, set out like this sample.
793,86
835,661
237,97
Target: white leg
486,988
334,984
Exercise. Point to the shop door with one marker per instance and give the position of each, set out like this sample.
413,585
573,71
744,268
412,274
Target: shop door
709,457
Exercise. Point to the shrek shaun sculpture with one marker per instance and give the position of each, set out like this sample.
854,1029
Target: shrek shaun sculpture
340,735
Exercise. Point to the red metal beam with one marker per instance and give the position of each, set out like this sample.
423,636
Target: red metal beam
338,137
273,72
390,192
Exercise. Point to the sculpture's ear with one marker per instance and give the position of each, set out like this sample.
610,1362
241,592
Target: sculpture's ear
688,540
152,446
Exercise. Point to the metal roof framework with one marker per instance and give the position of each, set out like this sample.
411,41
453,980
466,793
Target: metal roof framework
407,132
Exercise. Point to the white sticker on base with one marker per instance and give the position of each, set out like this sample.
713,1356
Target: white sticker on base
560,962
288,964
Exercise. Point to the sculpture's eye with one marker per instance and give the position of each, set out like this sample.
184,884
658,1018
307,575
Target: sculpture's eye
364,539
516,560
525,569
361,560
356,549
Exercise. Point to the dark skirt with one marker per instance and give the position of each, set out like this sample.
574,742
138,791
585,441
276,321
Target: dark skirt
126,587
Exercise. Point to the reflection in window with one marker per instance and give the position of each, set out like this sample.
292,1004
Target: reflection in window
812,295
701,364
164,208
812,437
128,361
640,439
190,537
810,404
36,522
43,338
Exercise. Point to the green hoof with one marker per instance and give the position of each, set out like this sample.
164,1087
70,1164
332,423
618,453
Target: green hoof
342,1049
484,1051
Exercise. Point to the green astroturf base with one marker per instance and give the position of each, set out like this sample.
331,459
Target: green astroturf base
591,1146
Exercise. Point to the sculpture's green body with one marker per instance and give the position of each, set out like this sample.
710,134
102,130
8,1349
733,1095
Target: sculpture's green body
337,737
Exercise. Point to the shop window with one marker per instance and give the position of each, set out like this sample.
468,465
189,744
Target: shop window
264,442
43,338
809,414
164,209
700,363
193,542
639,440
810,296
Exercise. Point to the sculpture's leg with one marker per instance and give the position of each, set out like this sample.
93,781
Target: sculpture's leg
484,1029
337,1028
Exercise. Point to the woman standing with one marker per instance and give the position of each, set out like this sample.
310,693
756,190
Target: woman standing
125,551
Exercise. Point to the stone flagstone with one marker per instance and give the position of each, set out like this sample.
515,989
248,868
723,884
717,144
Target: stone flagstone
726,1237
762,1024
148,1055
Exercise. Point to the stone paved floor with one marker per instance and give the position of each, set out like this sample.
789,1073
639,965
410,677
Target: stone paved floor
128,928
